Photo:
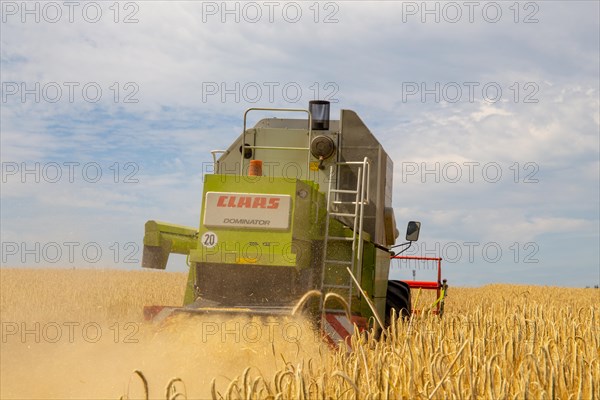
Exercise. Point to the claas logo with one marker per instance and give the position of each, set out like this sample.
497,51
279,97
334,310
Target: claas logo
248,202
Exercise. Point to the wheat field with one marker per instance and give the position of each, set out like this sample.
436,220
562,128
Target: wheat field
80,334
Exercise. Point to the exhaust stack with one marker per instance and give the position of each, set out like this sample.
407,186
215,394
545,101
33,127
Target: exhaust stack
319,109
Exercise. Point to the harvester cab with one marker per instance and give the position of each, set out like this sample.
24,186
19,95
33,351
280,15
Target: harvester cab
297,214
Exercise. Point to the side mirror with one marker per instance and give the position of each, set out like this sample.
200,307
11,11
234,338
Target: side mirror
412,231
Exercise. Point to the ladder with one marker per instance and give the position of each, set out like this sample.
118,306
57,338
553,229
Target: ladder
337,208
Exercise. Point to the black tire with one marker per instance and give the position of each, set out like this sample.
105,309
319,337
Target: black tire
398,298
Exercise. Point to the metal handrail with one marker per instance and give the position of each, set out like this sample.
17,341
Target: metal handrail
363,190
244,147
215,161
274,148
440,286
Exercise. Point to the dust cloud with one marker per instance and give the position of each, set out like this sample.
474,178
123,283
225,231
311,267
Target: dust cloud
80,334
90,361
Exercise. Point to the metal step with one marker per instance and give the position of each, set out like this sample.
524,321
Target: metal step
327,285
338,262
353,203
346,238
342,215
343,191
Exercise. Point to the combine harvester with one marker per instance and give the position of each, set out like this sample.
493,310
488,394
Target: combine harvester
296,216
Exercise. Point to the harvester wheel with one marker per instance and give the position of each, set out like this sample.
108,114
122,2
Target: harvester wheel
398,298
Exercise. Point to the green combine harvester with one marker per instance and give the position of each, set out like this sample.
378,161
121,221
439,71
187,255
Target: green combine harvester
297,212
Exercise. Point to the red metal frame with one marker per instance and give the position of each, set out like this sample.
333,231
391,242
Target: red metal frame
429,285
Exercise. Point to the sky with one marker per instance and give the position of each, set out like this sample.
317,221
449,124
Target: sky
489,111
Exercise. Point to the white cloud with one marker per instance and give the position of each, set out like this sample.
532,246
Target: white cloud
368,58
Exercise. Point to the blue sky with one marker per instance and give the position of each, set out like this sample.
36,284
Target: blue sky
490,112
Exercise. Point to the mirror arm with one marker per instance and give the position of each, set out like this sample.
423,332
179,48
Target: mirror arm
407,244
377,245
